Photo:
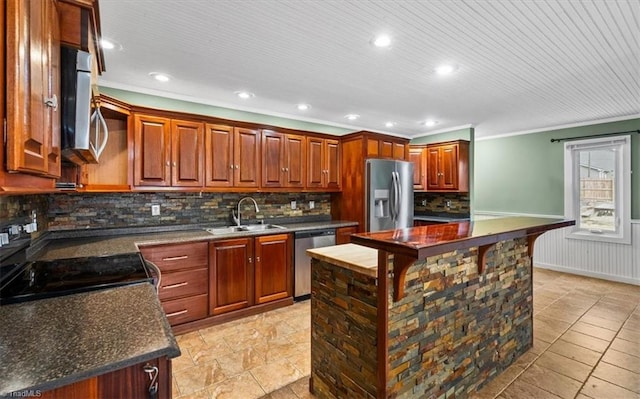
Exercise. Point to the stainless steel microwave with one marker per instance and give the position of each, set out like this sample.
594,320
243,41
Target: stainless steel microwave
84,133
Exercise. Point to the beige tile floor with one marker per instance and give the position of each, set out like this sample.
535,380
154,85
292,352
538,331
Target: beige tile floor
586,345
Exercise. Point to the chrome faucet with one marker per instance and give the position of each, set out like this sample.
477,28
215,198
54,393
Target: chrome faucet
237,218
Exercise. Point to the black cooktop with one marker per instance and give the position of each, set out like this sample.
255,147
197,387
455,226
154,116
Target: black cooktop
44,279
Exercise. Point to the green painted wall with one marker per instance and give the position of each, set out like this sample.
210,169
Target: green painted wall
525,174
165,103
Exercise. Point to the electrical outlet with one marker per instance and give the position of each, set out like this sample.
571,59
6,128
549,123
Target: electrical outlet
424,202
293,205
448,204
312,204
155,210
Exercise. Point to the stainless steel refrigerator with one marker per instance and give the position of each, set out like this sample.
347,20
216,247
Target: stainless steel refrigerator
388,194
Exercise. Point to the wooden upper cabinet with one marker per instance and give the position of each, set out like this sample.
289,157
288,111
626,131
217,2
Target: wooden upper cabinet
187,141
387,147
167,152
283,159
273,273
400,151
323,166
295,160
418,155
246,154
152,151
33,87
448,166
219,164
232,156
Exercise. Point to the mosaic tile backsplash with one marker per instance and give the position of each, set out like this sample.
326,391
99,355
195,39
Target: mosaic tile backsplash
436,204
83,211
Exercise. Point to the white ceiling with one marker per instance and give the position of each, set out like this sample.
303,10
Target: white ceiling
522,65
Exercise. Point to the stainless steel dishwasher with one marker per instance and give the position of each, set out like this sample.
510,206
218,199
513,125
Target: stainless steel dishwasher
302,271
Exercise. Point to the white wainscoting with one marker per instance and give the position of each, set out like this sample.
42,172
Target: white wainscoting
609,261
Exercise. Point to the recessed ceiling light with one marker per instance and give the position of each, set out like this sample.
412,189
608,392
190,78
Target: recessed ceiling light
389,124
382,41
430,123
445,69
161,77
244,94
107,45
304,107
352,117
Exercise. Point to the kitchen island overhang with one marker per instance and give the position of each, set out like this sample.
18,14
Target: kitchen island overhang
448,308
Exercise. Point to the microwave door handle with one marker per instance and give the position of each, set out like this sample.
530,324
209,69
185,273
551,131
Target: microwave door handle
101,127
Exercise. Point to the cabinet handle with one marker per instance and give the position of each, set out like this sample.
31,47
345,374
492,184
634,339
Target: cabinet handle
178,313
168,163
52,102
172,258
237,166
257,259
174,164
286,169
166,287
250,260
230,166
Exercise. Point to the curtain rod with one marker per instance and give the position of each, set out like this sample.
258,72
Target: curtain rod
595,135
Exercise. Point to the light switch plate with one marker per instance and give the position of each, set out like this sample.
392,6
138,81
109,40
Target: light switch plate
293,205
312,204
155,210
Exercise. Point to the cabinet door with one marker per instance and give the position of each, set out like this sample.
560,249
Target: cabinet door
433,168
332,164
219,166
231,275
33,52
246,157
373,148
386,149
152,151
273,157
343,234
418,157
273,268
133,381
449,167
295,160
399,151
315,169
187,144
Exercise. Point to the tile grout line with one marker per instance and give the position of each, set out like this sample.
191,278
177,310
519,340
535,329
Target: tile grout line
605,351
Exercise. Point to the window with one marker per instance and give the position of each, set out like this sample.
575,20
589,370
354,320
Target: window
598,188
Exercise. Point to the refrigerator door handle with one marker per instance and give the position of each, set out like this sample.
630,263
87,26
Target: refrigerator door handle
395,178
398,194
392,197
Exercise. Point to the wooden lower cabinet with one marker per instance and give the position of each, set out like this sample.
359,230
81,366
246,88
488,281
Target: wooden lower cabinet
184,286
129,382
343,234
273,274
249,271
231,275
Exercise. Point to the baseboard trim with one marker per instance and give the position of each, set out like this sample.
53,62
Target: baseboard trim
603,276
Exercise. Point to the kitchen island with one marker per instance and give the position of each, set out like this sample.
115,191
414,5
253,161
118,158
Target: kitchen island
428,311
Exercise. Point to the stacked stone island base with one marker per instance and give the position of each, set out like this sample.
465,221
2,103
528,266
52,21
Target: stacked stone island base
463,317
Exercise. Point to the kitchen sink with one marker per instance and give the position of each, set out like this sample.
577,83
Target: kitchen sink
243,228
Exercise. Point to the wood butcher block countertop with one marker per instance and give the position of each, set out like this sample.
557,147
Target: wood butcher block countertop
350,256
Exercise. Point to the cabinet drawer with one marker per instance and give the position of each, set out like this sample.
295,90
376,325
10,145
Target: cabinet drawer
183,283
182,310
179,256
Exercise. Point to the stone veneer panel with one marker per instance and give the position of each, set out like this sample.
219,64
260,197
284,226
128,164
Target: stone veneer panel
17,209
455,330
343,332
452,333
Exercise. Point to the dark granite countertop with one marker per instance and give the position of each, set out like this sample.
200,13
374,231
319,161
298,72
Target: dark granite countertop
54,342
83,243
